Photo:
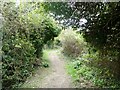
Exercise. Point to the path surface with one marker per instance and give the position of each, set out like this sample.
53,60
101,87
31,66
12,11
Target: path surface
57,78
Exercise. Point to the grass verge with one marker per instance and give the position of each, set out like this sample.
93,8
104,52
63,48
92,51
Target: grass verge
85,75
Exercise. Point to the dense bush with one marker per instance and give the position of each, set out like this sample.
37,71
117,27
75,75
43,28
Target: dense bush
24,34
72,43
18,60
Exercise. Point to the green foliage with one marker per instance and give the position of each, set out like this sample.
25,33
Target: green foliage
88,66
72,43
24,35
58,8
57,43
45,57
17,66
72,71
43,28
101,30
45,64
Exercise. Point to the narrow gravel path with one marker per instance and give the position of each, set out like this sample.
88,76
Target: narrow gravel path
58,78
53,77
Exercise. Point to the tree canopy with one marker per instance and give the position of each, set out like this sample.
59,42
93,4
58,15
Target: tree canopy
102,29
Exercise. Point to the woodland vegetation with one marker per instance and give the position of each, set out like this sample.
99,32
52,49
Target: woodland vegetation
93,47
25,30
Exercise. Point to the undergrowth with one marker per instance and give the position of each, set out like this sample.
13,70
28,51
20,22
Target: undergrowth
81,68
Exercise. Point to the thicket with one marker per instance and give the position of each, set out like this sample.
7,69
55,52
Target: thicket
26,28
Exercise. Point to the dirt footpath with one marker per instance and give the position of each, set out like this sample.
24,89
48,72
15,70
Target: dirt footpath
56,78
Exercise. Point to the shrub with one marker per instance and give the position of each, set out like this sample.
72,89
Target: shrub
24,35
73,44
18,62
